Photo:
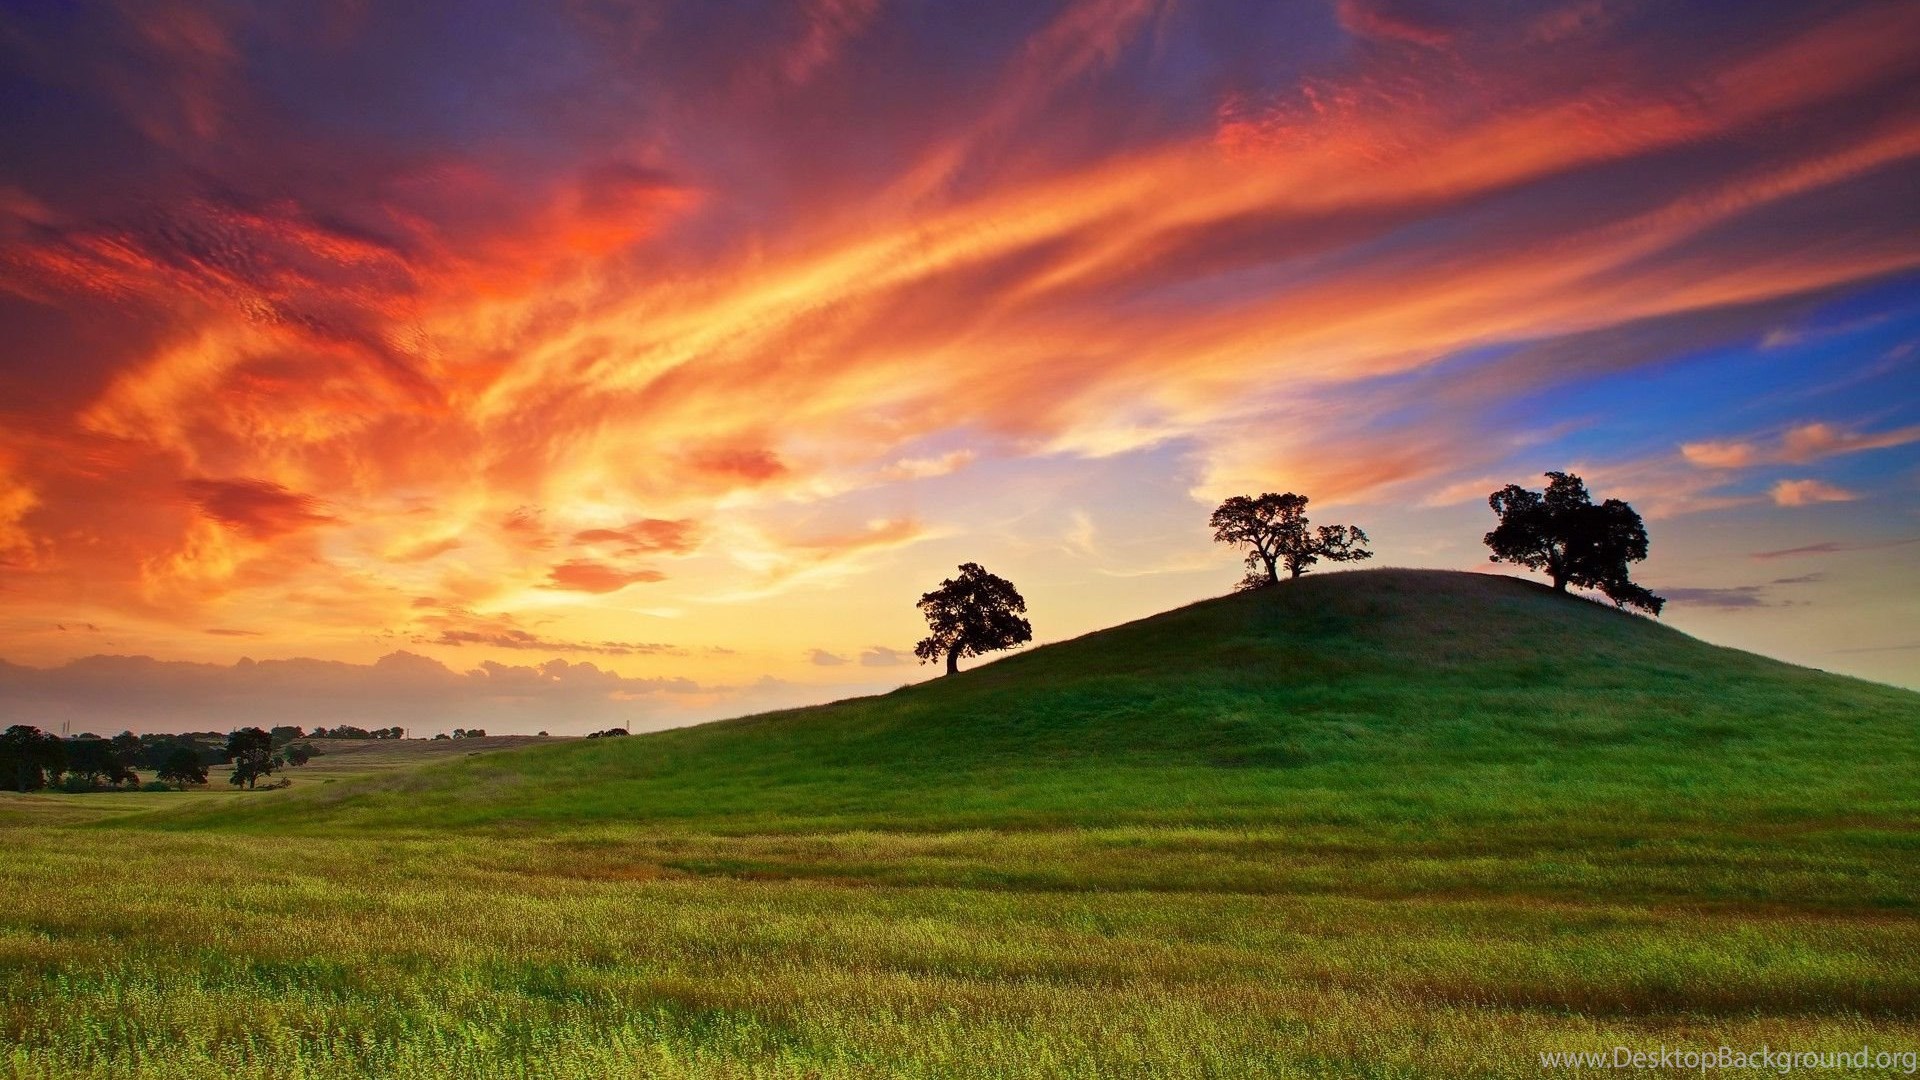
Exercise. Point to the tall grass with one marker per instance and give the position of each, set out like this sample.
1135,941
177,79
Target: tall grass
1387,825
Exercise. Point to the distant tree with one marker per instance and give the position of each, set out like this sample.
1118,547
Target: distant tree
442,735
244,740
543,734
182,766
610,733
297,754
286,733
1275,530
1576,542
30,759
93,761
250,765
250,751
972,615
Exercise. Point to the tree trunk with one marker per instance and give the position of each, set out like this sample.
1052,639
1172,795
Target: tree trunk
1273,571
1294,571
953,660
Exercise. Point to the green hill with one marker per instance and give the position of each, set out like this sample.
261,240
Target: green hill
1383,697
1384,824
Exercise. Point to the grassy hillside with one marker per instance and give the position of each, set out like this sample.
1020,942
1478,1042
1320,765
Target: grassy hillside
1382,824
1385,697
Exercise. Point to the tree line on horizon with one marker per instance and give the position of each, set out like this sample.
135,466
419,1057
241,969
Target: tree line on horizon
34,760
1561,530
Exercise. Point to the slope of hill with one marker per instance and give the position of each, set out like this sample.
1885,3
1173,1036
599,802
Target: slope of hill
1382,823
1395,697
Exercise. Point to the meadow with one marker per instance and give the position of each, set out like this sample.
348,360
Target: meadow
1372,824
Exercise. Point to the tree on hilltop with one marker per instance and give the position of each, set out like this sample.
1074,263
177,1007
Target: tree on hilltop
971,615
1576,542
1276,532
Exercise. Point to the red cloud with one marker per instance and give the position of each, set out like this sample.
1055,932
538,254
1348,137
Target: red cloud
261,509
750,465
1392,20
648,534
585,575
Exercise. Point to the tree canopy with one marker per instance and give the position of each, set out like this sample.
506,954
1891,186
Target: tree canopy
970,615
250,750
30,759
1276,532
182,765
1563,532
92,761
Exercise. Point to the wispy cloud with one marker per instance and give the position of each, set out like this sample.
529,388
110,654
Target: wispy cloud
1797,445
1808,492
771,298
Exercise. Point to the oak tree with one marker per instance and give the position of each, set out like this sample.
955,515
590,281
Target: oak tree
971,615
1276,532
1577,542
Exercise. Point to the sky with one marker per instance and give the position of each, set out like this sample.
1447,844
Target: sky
563,365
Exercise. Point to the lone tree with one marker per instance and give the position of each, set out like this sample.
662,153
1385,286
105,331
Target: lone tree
251,752
971,615
1275,530
1576,542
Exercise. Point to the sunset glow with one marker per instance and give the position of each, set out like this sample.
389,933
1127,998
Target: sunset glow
552,366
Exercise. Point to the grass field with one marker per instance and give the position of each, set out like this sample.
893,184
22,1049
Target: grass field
1385,823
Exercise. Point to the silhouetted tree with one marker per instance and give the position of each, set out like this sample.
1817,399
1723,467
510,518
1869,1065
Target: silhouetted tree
1276,532
182,766
30,759
90,761
244,740
1576,542
971,615
250,750
286,733
298,754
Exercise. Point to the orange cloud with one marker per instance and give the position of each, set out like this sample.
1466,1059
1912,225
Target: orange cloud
697,315
261,509
1797,445
585,575
1721,455
648,534
1808,492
